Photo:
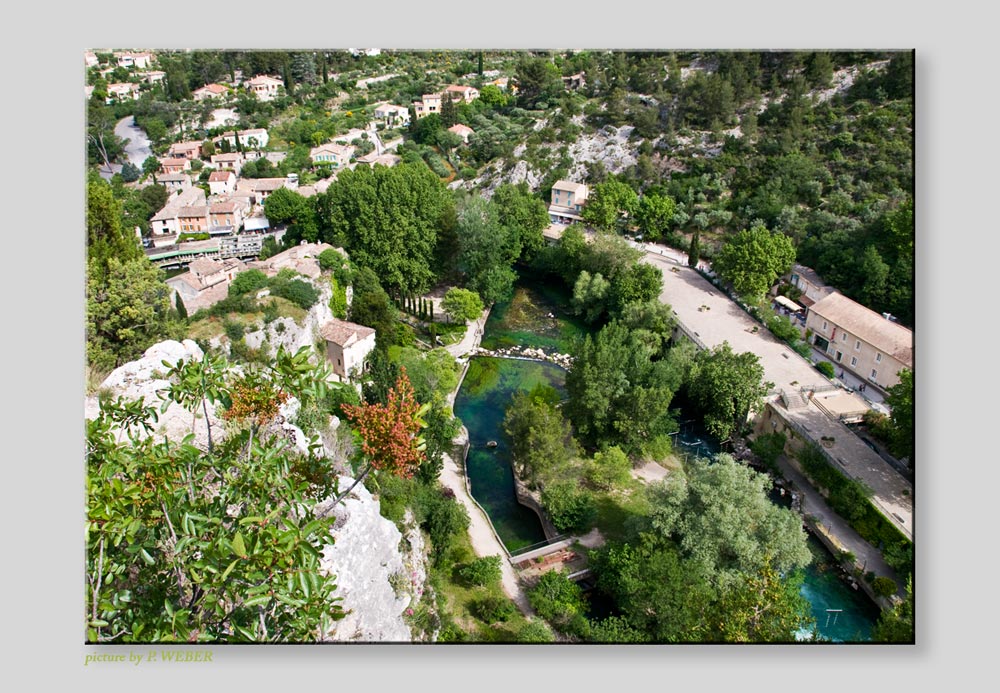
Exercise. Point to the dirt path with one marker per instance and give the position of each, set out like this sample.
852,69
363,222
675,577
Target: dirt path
484,541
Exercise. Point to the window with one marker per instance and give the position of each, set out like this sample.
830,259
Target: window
857,345
843,336
874,374
854,361
824,325
839,356
878,358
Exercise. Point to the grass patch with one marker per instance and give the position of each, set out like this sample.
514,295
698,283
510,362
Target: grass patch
615,508
212,326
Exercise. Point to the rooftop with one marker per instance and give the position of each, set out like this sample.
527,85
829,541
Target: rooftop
344,333
885,335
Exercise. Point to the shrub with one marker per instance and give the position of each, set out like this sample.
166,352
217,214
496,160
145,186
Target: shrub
482,572
534,632
570,508
883,586
559,601
768,447
245,282
302,294
271,312
826,368
493,609
233,330
330,259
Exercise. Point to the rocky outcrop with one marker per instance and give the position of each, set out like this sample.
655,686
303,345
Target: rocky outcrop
379,574
528,354
364,556
144,379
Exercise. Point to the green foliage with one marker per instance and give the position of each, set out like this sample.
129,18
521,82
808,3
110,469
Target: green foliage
338,299
519,210
654,214
541,439
753,259
444,518
181,308
883,586
128,310
299,292
234,330
534,632
433,374
826,368
571,508
590,295
560,601
896,624
482,572
720,516
768,447
247,281
166,561
106,236
618,395
610,469
726,386
388,219
487,250
608,204
900,399
462,305
491,609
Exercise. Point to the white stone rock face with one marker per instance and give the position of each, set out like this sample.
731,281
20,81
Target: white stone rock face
364,554
145,378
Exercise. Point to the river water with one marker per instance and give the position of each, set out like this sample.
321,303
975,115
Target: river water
842,614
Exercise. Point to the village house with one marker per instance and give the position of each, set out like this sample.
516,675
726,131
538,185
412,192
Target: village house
466,93
174,165
166,221
193,219
265,87
90,59
462,131
154,76
858,339
261,187
139,61
209,91
503,84
231,162
256,138
347,345
394,116
337,155
429,103
225,217
574,82
372,159
185,150
813,288
567,203
120,91
175,182
205,283
221,182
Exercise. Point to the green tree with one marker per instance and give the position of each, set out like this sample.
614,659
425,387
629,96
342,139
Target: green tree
753,260
618,395
487,251
900,400
560,601
433,374
168,560
896,624
388,220
372,307
462,305
525,214
538,80
610,469
106,238
726,386
247,281
590,294
127,312
181,308
720,516
654,214
541,438
608,205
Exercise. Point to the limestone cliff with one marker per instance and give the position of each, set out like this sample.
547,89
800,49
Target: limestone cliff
378,574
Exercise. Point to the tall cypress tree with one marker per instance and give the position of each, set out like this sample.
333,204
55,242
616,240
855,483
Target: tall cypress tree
182,312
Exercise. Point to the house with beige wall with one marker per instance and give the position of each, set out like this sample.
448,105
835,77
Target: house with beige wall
205,283
209,91
222,182
265,87
336,155
857,339
347,345
429,103
811,285
568,200
175,165
463,92
185,150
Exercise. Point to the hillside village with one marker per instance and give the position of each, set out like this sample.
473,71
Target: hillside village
338,221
